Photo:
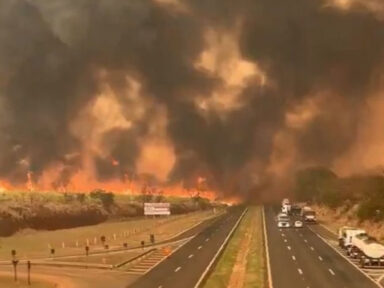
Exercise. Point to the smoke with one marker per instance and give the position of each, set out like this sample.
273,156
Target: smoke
238,92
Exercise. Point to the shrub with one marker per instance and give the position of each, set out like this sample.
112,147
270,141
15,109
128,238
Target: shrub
371,209
106,198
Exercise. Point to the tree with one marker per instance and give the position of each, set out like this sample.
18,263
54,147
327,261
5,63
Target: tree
106,198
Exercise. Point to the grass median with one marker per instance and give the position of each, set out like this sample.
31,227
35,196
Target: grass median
242,264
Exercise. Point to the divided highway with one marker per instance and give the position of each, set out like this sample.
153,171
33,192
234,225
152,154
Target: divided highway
187,265
299,258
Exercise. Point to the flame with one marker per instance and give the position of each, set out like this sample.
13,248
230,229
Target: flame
84,181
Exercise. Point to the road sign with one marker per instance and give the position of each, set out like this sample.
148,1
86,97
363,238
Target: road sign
157,209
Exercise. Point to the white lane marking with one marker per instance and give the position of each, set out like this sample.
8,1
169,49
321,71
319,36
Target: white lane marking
177,269
300,271
320,258
204,275
293,258
331,271
199,247
312,248
285,240
206,240
190,256
305,240
301,235
289,247
282,234
381,278
280,230
267,251
161,286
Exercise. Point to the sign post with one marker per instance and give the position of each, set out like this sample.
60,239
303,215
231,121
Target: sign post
29,272
14,263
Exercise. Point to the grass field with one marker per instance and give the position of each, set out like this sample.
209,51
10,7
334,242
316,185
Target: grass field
8,282
35,244
254,275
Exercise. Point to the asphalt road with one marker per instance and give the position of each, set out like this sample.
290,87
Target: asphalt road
301,259
184,267
95,278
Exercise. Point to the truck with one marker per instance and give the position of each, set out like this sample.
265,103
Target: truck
283,221
308,214
346,234
367,250
286,206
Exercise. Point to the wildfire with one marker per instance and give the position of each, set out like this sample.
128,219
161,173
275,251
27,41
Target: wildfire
83,182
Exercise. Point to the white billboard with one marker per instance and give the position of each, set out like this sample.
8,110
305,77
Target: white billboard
157,209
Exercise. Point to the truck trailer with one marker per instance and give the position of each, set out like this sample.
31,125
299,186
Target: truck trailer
367,250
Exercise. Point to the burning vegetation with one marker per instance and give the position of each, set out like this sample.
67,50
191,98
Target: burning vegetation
144,94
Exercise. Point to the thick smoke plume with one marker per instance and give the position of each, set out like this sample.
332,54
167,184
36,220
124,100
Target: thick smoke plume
238,92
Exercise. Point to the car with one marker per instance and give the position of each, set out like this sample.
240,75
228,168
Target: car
298,224
283,224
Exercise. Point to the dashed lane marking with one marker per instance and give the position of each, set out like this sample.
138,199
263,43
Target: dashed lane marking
320,258
289,247
312,248
331,271
190,256
177,269
199,247
293,258
300,271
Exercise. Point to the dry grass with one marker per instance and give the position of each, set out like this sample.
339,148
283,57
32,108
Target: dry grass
343,216
8,282
36,244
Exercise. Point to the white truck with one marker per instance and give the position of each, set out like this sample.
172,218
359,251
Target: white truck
308,214
368,250
283,221
286,206
346,235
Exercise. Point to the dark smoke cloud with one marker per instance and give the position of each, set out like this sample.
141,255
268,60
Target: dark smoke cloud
50,52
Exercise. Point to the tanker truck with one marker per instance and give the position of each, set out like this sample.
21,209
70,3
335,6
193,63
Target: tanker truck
367,250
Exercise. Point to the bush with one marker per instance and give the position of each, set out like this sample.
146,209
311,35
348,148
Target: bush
106,198
371,209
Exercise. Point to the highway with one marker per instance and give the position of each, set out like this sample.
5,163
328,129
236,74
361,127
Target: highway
186,266
299,258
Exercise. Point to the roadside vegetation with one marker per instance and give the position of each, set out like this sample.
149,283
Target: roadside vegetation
53,210
242,263
356,200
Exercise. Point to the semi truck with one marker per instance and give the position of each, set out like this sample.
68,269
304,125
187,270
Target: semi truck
346,234
308,214
286,206
367,250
